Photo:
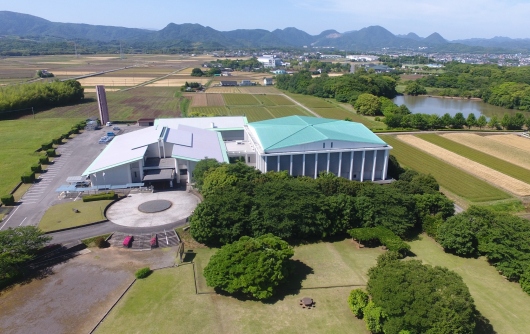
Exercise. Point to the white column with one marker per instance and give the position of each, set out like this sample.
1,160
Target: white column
328,164
266,158
189,174
291,164
362,166
316,165
278,157
340,163
385,167
351,164
141,165
373,167
303,165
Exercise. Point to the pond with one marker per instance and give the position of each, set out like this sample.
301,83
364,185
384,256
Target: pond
440,106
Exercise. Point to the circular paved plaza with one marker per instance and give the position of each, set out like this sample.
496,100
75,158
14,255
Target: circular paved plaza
177,205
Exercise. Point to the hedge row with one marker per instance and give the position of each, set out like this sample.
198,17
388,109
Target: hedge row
383,235
100,197
8,200
28,177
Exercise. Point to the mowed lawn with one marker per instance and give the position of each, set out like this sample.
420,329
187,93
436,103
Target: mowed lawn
166,301
20,138
451,178
503,303
62,215
500,165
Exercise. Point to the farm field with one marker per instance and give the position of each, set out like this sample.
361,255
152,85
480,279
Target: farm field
280,100
492,176
264,100
501,165
243,90
513,140
328,270
171,81
20,138
510,148
454,179
252,113
336,112
502,302
113,81
240,99
311,101
283,111
142,102
211,111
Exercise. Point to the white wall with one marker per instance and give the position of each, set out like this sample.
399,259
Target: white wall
117,175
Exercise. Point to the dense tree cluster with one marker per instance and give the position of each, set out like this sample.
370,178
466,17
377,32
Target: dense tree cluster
503,238
414,88
253,267
40,95
410,297
18,246
241,201
507,87
236,64
345,88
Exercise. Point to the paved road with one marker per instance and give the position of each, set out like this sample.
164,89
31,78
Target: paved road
74,157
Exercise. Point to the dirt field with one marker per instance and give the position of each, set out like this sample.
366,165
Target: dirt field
113,81
500,146
197,100
503,181
76,295
215,100
171,81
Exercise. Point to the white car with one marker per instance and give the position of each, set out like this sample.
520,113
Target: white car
109,123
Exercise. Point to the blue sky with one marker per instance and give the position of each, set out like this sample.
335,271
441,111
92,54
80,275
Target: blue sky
453,19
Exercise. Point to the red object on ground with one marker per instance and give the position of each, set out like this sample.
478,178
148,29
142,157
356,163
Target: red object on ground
154,241
127,241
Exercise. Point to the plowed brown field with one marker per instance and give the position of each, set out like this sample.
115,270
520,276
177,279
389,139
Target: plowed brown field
492,176
513,140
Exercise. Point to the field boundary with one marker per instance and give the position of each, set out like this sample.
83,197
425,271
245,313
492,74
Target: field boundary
145,83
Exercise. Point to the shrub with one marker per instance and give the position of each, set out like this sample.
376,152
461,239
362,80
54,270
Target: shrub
100,197
8,200
36,168
28,177
357,301
46,146
383,235
50,152
65,136
44,160
57,141
524,281
74,130
143,273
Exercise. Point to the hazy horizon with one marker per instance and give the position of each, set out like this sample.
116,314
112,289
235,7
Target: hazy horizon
452,19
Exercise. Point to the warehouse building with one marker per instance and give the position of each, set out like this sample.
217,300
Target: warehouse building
167,152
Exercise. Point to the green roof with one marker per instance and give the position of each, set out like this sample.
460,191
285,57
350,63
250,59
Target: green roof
298,130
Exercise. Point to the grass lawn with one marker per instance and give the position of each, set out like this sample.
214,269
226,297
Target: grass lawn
500,165
310,101
62,215
166,300
20,138
504,303
449,177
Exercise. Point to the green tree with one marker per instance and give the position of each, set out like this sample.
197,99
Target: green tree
415,88
420,298
482,121
357,301
374,318
368,104
458,121
447,120
197,72
457,236
202,167
18,246
494,122
471,120
251,266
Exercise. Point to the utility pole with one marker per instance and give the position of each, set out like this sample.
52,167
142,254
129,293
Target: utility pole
75,47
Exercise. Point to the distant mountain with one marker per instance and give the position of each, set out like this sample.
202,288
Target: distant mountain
189,35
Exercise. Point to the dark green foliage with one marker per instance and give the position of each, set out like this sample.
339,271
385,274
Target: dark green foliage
65,136
417,298
368,104
47,146
142,273
415,88
197,72
74,130
202,167
18,246
57,141
501,237
28,177
110,195
8,200
40,95
36,168
100,242
44,160
251,266
383,236
524,281
50,152
357,301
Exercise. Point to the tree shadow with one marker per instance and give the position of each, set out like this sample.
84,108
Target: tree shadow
483,325
189,256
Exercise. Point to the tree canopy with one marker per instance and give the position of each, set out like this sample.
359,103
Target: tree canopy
253,267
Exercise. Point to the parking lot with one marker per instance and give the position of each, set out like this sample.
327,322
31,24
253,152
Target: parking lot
73,158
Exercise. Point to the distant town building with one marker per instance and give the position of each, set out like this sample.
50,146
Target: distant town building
279,72
267,81
269,61
246,83
228,83
362,58
330,56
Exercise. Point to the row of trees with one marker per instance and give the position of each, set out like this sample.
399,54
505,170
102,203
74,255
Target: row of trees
241,201
502,238
345,88
40,95
406,297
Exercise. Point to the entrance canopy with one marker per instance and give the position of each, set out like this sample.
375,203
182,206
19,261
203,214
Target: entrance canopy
159,175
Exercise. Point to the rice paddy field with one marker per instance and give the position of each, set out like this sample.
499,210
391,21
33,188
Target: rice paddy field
240,99
453,179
